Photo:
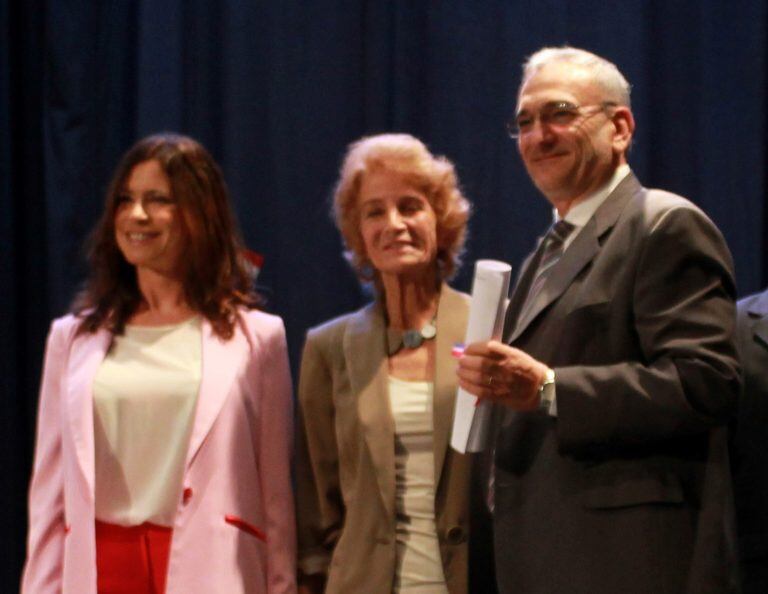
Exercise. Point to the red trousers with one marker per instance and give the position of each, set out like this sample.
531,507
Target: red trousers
132,559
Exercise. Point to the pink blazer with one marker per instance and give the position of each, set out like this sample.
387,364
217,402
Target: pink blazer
234,528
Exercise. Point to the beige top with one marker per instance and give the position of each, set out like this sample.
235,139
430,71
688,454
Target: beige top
144,396
419,566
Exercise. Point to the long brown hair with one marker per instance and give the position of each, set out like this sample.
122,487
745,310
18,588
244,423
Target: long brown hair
214,276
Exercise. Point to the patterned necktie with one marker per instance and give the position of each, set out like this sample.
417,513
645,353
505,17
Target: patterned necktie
552,251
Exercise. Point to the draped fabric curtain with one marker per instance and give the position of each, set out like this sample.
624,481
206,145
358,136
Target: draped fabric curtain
276,90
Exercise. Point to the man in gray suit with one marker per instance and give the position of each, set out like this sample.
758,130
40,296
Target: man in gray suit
618,369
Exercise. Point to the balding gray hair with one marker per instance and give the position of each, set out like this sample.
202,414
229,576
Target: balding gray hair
605,73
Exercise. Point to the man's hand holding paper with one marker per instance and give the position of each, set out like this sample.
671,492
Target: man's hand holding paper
496,372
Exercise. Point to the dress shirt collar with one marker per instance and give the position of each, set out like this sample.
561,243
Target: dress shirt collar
579,214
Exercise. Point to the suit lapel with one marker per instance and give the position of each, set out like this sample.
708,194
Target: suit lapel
87,353
221,361
452,314
366,358
584,248
578,255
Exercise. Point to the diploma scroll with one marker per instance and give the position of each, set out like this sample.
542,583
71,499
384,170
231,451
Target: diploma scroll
486,322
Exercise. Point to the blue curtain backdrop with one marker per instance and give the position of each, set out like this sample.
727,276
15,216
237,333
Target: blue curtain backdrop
276,90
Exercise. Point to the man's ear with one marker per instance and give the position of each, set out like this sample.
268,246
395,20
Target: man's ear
624,122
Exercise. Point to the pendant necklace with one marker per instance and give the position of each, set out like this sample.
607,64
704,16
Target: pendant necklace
411,338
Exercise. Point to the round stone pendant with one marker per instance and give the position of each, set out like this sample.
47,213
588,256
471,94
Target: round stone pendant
412,339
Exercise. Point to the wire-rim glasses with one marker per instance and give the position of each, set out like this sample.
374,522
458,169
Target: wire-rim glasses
555,114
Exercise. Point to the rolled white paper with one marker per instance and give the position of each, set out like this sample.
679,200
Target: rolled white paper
486,322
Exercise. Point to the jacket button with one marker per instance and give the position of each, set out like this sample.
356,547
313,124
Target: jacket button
455,535
186,495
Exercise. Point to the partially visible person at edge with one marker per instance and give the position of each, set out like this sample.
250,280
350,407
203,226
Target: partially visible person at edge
383,503
162,462
749,443
618,373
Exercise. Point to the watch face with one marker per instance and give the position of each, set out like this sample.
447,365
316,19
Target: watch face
547,392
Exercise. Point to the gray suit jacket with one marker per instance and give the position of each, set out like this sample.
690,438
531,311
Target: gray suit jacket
750,443
628,489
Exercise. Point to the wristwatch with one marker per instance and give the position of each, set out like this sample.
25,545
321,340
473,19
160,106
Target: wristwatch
547,392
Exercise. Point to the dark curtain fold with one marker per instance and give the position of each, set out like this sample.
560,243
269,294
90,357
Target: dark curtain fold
276,90
24,286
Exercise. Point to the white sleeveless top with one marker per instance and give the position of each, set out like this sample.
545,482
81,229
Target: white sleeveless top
144,396
419,566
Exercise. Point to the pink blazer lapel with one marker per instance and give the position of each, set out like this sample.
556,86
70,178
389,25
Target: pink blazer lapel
220,365
86,355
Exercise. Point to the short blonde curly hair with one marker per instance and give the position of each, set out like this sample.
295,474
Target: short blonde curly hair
405,155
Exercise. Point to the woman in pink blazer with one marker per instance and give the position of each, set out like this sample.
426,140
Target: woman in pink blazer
162,457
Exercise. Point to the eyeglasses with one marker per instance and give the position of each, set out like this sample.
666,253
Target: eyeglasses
555,114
